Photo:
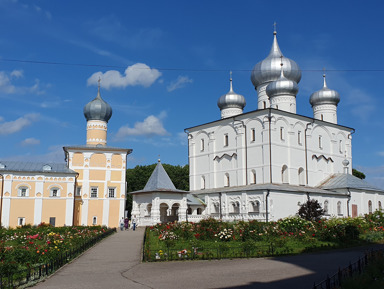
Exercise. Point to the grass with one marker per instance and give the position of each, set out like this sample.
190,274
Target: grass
372,276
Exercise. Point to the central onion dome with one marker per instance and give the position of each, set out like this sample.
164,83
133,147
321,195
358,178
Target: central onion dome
98,109
282,86
231,99
268,69
324,96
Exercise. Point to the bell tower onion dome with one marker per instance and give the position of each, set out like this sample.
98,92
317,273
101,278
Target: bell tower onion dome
268,69
97,113
98,109
231,103
324,103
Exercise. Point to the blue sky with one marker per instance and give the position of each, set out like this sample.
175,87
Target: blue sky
164,64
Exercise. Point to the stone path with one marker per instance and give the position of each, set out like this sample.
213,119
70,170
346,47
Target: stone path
115,263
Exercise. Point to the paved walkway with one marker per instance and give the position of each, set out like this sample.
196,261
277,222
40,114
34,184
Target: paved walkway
115,263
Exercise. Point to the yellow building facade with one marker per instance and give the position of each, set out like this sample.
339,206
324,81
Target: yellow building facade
89,189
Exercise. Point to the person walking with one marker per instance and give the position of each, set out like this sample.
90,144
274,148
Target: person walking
134,223
126,223
121,224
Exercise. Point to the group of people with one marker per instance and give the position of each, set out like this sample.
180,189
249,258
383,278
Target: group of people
126,223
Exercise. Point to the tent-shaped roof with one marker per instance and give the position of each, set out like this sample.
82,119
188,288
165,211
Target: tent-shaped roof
159,181
347,181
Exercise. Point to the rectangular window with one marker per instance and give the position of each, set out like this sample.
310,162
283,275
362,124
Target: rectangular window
20,221
299,137
111,192
320,142
52,221
281,133
202,145
23,192
78,191
94,191
226,140
253,134
341,146
54,192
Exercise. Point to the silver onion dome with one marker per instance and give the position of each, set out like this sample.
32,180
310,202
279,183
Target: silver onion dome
324,96
282,86
97,109
268,69
231,99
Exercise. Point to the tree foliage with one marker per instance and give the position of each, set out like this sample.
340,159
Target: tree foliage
358,174
138,177
311,210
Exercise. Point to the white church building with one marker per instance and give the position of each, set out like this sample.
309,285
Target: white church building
263,164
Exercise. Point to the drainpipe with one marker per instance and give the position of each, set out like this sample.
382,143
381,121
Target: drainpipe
246,149
1,204
74,199
270,145
348,201
306,150
266,206
220,210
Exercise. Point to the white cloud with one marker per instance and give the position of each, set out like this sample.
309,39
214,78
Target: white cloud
17,73
151,126
30,141
180,82
137,74
8,87
14,126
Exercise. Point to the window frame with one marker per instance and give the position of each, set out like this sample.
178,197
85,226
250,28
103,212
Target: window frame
114,192
51,194
20,192
93,192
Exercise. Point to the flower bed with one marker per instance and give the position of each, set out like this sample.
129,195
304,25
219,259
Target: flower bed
24,249
213,239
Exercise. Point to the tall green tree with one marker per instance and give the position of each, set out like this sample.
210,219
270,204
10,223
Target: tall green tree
358,174
138,177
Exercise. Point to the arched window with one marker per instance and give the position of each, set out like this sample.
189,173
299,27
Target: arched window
370,207
226,142
264,104
149,209
284,174
23,191
94,220
380,208
253,177
55,192
226,180
235,207
203,182
253,134
254,207
189,211
301,177
326,209
320,142
199,211
339,208
202,145
215,208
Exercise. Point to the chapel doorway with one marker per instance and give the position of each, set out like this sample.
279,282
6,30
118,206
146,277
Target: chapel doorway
163,213
174,213
354,211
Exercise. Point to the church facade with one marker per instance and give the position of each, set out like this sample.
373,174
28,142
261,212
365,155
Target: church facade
89,189
263,164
